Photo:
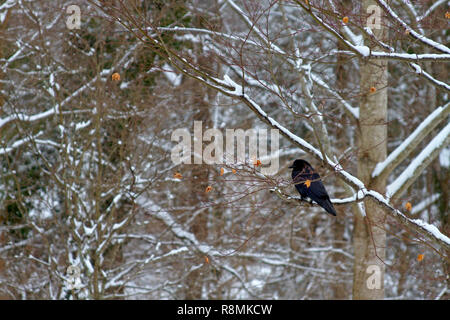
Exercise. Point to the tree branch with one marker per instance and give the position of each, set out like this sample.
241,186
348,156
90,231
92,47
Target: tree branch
383,169
412,172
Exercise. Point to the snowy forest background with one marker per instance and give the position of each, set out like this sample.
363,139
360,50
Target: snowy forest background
87,179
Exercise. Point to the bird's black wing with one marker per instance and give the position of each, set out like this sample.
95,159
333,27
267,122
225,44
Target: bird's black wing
317,188
299,178
320,195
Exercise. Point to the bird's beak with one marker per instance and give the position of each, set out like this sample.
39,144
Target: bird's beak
291,166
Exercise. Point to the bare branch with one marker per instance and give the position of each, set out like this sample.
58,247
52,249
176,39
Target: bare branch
433,44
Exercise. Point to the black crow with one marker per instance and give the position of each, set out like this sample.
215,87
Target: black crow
308,184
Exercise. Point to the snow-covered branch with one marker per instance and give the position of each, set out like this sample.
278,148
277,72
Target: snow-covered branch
410,174
232,89
362,51
383,169
18,143
433,44
409,57
354,182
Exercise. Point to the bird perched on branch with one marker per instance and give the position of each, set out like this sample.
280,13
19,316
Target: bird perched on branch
309,185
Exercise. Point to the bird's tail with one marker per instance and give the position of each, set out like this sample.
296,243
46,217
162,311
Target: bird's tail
328,206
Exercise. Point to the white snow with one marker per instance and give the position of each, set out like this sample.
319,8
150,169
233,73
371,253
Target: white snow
432,229
82,125
88,231
171,75
363,50
18,143
444,157
411,56
8,4
237,88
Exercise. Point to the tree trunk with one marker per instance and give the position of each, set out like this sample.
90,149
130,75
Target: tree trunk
200,173
3,213
340,289
369,233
